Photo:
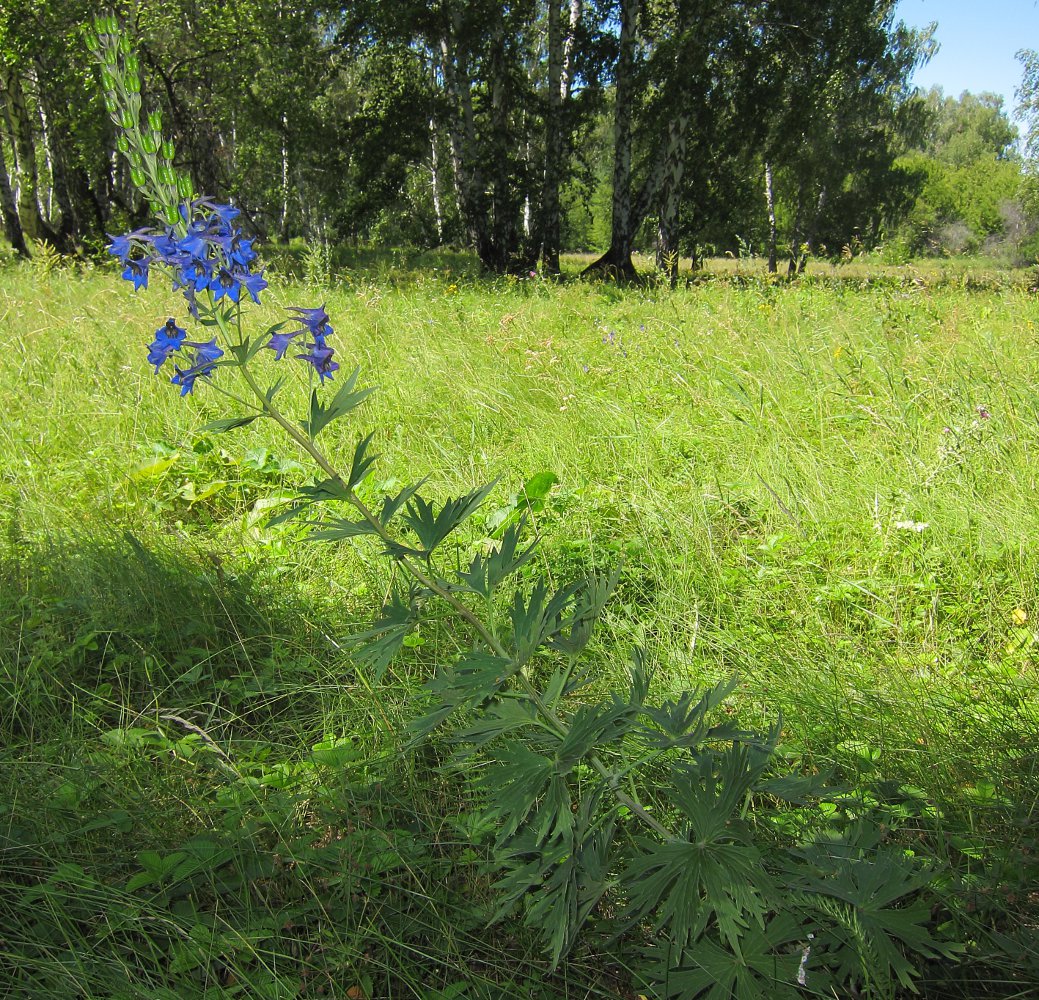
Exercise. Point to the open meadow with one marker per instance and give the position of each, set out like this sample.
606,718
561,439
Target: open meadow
826,489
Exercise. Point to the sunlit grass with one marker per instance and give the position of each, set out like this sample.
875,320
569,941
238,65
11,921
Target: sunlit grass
823,487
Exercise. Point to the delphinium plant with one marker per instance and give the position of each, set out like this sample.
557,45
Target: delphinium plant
669,828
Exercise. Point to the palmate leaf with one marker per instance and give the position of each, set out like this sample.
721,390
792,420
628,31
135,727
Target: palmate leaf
589,727
378,645
585,605
476,677
487,572
345,400
338,529
432,526
512,784
874,912
561,880
714,876
683,722
777,961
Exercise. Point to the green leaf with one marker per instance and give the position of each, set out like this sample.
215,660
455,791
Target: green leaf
337,530
377,646
486,572
432,527
361,463
229,424
345,400
479,675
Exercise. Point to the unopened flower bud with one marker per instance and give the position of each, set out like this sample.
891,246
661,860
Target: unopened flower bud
126,120
167,175
122,144
124,45
133,83
184,187
171,215
148,144
137,177
167,150
133,64
155,121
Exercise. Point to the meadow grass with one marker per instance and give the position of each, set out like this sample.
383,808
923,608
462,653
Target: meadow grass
825,487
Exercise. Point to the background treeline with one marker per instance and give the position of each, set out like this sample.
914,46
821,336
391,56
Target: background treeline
785,128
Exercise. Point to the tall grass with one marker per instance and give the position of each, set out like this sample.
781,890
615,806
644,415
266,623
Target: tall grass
826,487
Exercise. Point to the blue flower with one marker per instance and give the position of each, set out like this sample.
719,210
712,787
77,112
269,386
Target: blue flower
254,284
168,340
202,366
225,283
321,358
137,272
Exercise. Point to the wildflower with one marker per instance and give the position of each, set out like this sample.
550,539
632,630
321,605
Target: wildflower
168,339
279,342
254,284
321,358
315,321
1019,616
202,366
917,526
137,272
224,282
984,413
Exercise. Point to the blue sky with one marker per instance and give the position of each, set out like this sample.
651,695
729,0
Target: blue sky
978,40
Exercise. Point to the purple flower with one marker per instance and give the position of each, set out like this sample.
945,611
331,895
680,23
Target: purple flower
279,342
321,358
984,413
316,321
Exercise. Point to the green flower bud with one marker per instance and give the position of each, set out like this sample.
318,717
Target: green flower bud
155,121
148,144
135,159
167,175
133,64
133,83
124,45
126,120
171,215
138,177
167,150
111,107
184,187
122,144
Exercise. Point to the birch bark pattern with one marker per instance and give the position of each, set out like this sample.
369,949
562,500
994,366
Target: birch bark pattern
16,116
616,262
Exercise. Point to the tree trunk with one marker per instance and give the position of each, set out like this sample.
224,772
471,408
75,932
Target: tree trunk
20,125
283,224
770,207
9,209
462,136
673,169
550,227
616,262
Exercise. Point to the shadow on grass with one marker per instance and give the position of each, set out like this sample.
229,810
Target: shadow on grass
103,627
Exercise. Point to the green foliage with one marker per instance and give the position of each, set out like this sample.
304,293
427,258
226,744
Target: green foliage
905,680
